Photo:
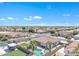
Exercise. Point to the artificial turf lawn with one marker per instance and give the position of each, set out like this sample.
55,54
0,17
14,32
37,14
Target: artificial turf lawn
15,53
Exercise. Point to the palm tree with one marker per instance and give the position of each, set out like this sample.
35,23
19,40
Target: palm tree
49,45
76,48
31,31
23,29
4,38
33,44
14,29
75,32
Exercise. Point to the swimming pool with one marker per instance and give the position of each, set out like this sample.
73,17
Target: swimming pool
38,52
3,46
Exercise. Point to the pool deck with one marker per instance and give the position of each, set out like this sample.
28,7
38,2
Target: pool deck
2,51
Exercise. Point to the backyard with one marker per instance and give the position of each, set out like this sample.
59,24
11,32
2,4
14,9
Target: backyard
38,51
15,53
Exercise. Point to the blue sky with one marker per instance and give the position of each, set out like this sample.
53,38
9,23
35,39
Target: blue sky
39,13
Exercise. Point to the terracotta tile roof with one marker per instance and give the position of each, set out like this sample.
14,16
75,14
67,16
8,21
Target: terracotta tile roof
12,33
71,46
45,39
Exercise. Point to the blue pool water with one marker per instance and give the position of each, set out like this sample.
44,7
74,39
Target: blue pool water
2,46
38,52
5,46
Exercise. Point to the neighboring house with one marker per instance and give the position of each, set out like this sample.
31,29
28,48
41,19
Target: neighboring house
77,30
40,31
76,37
66,33
70,48
60,52
14,34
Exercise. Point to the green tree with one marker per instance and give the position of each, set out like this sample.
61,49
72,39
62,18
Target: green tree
76,48
49,45
75,32
14,28
33,44
52,32
23,29
31,31
3,37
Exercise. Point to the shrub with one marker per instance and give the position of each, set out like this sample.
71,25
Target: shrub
52,32
4,39
31,30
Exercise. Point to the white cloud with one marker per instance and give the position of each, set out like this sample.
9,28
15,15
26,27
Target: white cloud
10,18
7,19
2,19
37,17
66,15
30,18
27,19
